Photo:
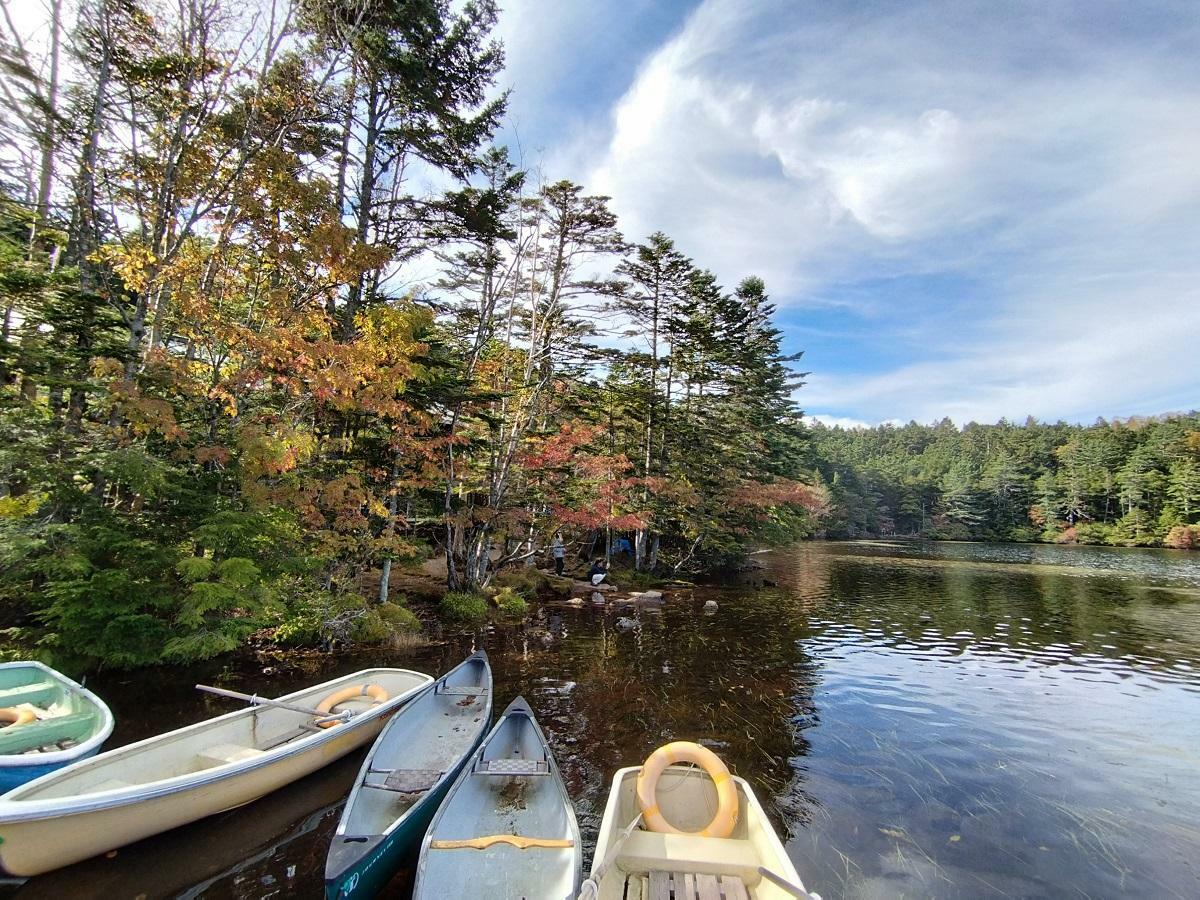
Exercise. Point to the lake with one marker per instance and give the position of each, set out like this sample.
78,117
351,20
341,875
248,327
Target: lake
920,719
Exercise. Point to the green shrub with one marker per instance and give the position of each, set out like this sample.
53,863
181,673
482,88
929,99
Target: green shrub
464,607
638,580
528,582
315,617
299,630
1092,533
369,628
1022,533
510,603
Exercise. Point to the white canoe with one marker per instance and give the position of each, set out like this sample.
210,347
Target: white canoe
643,865
124,795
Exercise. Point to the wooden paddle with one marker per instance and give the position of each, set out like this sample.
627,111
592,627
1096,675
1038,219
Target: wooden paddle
516,840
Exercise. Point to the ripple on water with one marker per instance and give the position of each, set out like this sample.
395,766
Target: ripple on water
921,720
991,740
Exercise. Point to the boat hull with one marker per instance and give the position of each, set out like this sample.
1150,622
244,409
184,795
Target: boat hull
43,826
370,875
15,776
510,789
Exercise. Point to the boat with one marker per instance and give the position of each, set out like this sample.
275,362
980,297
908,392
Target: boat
694,855
55,721
124,795
406,774
507,829
208,857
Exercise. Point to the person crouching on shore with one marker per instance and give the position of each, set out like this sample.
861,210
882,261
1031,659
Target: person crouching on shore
598,572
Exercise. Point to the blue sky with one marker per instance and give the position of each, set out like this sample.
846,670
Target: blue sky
966,209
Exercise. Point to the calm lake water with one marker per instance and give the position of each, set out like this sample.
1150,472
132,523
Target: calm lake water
933,720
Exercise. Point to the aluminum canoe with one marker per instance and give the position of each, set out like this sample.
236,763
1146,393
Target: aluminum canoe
506,830
406,774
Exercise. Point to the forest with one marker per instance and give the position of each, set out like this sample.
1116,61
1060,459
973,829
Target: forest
280,314
1128,483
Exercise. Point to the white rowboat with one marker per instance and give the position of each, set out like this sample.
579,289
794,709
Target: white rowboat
640,865
124,795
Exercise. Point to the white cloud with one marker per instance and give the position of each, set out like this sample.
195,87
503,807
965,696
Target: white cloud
1046,152
840,422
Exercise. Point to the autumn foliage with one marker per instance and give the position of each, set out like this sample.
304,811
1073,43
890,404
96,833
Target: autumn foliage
249,362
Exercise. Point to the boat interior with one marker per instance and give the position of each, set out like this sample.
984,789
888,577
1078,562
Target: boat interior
64,718
677,866
238,737
436,730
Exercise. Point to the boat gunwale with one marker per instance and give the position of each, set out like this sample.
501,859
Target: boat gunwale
60,757
14,809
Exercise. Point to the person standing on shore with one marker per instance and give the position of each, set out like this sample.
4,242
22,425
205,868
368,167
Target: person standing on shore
559,552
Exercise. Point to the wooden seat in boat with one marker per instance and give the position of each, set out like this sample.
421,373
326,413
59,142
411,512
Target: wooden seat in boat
223,754
659,885
648,851
469,690
404,781
513,767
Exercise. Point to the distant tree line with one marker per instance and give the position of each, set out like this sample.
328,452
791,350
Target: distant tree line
231,394
1134,482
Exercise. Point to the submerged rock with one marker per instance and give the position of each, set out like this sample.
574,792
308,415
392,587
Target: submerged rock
646,595
710,606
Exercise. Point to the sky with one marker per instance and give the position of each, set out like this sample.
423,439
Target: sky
973,210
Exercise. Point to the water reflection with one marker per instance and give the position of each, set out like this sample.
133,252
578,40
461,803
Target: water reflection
988,732
932,720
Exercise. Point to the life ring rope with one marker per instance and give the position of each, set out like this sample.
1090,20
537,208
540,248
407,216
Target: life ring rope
725,820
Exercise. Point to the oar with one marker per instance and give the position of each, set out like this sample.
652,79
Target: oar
794,889
255,700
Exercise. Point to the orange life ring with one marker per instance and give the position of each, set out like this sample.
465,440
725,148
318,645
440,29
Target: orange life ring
723,822
325,707
16,716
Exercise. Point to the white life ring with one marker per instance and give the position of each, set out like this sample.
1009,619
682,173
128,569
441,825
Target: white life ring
723,822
